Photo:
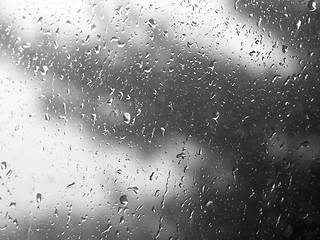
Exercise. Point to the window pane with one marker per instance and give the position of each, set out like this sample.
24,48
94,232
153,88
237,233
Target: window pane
159,119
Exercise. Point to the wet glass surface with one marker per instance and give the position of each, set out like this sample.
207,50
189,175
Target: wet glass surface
159,119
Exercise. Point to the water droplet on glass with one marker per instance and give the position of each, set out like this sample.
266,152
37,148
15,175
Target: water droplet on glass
93,118
208,203
124,200
12,205
3,165
163,130
70,184
56,212
109,101
111,90
114,39
199,152
259,22
121,44
44,69
234,170
152,23
147,69
26,45
151,176
284,48
312,5
298,24
191,213
107,229
181,155
55,44
134,189
126,118
305,144
46,117
39,197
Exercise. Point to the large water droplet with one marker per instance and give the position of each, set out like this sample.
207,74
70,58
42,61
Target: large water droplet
44,69
124,200
56,212
208,203
298,24
46,117
109,101
284,48
312,5
13,205
305,144
152,23
39,197
134,189
107,229
181,155
93,118
26,45
126,117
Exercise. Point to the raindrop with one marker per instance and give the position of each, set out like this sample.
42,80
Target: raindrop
284,48
55,44
121,44
3,165
40,19
199,152
152,23
208,203
312,5
39,197
70,184
56,212
298,24
26,45
12,205
134,189
44,69
163,130
191,213
97,49
147,69
259,22
151,176
114,39
15,222
124,200
109,101
126,117
111,90
107,229
181,155
46,117
305,144
234,170
93,118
